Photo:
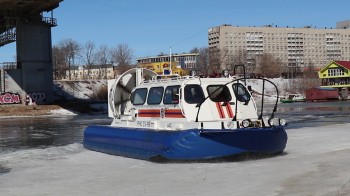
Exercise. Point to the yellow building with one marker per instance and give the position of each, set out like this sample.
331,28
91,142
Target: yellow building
179,64
336,74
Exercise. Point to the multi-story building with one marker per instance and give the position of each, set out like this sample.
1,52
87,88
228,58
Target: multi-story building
178,64
294,47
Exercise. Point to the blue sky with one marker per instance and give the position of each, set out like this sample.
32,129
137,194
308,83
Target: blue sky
153,26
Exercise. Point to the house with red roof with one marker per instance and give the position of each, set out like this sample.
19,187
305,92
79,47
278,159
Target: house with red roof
336,74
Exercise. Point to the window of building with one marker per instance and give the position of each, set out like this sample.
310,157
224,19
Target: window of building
336,72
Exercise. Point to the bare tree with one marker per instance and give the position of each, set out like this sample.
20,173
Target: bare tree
103,57
308,80
237,58
309,70
216,60
59,62
88,55
202,64
63,56
68,50
240,57
269,66
122,55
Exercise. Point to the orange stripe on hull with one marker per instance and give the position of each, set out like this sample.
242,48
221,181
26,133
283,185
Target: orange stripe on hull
220,110
229,110
149,113
171,113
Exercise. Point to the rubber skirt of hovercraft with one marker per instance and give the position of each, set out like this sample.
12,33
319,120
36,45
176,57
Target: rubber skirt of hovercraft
191,144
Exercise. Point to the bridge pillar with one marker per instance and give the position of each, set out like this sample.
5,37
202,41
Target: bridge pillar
34,59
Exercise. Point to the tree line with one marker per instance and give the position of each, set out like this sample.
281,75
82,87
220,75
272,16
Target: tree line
213,61
67,53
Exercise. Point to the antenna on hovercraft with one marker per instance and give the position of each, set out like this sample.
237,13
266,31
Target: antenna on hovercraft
171,70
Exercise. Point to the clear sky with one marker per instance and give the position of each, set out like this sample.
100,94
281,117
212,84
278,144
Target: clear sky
150,27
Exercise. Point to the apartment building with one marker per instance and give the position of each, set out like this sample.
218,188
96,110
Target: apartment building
295,47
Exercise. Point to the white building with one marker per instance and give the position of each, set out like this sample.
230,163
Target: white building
295,47
91,72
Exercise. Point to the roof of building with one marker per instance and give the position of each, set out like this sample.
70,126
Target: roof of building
345,64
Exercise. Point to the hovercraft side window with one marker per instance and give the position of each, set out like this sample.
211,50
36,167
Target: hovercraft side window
241,92
138,97
171,95
155,95
194,94
219,93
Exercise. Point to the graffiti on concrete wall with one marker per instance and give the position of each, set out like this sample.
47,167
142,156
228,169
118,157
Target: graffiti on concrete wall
10,98
37,98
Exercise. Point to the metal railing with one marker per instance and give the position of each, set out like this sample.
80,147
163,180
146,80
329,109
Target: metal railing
8,37
8,65
49,20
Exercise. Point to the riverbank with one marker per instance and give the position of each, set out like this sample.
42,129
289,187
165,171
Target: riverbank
31,110
69,108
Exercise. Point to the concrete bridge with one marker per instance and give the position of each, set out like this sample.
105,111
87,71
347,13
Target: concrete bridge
22,21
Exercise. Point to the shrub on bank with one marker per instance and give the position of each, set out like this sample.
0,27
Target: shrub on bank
100,94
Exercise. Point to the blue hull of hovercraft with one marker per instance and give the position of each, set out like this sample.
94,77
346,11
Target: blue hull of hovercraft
191,144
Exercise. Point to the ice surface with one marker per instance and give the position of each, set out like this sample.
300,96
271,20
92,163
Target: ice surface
316,162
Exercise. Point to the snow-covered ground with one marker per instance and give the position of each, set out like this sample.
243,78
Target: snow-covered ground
281,84
71,90
270,90
316,162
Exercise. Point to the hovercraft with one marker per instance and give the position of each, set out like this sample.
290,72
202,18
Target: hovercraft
184,118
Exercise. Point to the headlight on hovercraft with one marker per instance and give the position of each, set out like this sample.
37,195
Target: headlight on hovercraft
277,121
245,123
282,122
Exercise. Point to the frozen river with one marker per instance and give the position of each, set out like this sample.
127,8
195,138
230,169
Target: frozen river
39,132
44,156
312,114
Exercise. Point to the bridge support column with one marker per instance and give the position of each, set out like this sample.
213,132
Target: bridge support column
34,59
